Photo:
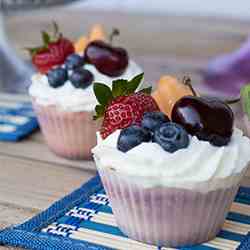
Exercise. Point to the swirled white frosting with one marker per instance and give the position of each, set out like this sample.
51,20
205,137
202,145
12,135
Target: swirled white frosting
69,98
200,162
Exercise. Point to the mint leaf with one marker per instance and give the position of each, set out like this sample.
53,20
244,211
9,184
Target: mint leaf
46,38
103,93
146,90
99,109
119,87
133,84
245,97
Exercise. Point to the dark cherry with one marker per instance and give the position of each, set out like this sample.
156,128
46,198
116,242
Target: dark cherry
111,61
207,118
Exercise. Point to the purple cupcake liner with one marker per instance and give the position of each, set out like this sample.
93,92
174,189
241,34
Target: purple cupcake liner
166,216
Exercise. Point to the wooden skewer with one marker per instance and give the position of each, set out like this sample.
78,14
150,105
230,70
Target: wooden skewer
125,243
240,208
223,244
112,240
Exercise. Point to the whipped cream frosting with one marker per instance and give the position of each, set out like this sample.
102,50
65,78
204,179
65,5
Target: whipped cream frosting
200,162
69,98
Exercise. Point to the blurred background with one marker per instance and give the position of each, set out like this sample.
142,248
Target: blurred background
234,9
164,37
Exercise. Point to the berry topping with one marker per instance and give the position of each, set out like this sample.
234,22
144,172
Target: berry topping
57,77
121,107
74,61
209,119
111,61
171,137
53,52
169,91
153,120
81,78
131,137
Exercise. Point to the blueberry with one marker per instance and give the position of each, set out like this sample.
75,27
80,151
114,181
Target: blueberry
81,78
153,120
74,61
171,137
131,137
57,77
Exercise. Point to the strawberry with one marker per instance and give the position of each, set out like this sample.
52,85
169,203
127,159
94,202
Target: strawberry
120,106
147,102
53,52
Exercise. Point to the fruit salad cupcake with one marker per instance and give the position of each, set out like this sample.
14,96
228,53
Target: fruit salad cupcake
171,174
62,90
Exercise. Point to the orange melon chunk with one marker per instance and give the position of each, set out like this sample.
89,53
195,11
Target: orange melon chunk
81,44
97,33
169,91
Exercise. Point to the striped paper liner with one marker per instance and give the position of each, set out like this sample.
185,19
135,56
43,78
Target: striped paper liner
68,134
166,216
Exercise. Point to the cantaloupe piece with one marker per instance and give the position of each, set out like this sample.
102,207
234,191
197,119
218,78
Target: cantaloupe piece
169,91
81,44
97,33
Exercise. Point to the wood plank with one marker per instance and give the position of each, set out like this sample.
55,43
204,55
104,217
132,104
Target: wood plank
12,215
246,181
36,185
37,150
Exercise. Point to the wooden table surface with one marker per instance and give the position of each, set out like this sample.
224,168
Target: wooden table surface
31,177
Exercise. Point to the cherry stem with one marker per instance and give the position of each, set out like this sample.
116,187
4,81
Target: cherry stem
187,81
115,32
232,101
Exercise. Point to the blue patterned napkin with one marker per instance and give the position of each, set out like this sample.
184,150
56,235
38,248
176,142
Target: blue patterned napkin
16,121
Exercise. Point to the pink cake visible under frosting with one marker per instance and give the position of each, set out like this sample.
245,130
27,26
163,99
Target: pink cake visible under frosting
68,134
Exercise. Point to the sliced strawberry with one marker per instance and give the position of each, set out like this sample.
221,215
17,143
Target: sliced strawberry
53,52
120,106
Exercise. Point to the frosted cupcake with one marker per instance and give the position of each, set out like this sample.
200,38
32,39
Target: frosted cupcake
62,91
171,183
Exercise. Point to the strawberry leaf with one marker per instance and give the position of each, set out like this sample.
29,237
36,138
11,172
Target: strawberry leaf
45,38
119,87
133,84
103,93
34,51
146,90
99,109
245,97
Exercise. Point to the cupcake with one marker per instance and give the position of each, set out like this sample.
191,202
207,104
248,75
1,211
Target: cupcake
62,90
171,179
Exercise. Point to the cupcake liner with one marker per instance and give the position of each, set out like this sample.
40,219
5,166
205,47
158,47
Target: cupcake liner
166,216
68,134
